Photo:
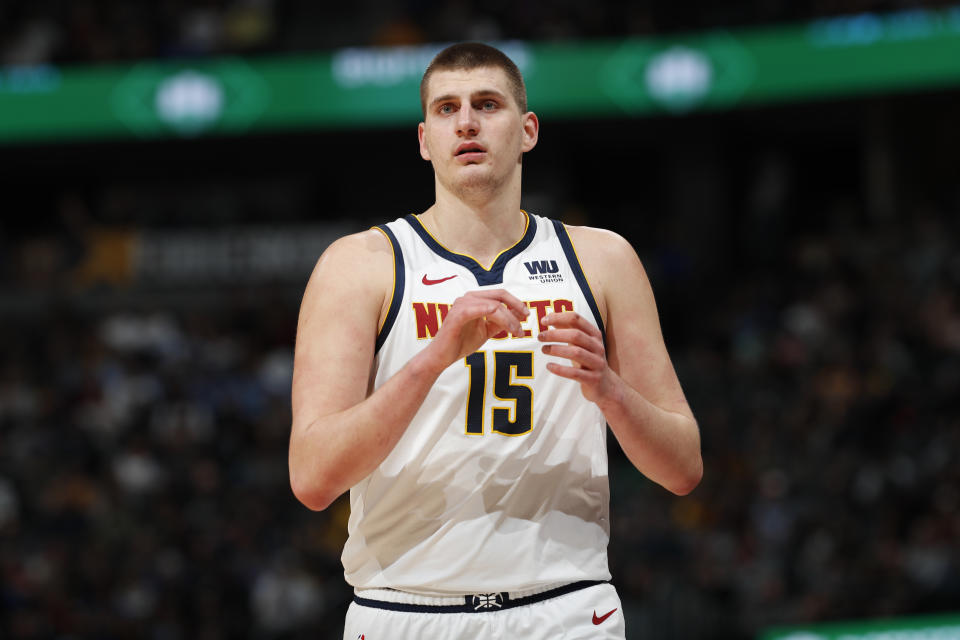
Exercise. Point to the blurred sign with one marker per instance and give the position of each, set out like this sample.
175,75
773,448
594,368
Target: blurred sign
230,256
223,94
646,76
945,627
193,257
355,67
356,87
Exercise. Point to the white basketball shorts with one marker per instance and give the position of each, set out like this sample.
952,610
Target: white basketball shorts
568,612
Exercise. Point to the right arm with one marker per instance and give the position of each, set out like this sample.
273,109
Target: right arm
342,430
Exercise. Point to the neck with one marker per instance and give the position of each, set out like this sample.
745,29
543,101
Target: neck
479,225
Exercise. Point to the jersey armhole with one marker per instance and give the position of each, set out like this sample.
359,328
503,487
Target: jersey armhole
398,284
578,273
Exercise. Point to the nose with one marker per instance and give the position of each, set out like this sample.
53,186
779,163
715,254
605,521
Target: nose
467,122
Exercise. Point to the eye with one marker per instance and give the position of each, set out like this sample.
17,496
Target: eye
445,109
489,105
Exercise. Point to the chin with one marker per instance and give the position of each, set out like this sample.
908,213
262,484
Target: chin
476,177
469,188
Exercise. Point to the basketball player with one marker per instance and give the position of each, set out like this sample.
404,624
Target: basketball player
456,370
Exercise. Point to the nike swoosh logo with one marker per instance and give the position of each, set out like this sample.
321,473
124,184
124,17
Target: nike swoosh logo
597,620
427,281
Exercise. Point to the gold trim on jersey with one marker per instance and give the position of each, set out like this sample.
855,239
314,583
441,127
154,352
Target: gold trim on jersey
393,289
483,399
526,226
515,401
584,272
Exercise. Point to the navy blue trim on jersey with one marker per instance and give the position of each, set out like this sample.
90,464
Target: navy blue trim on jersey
484,277
479,603
399,282
581,278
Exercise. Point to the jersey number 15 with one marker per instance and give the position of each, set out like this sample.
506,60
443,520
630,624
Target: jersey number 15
507,367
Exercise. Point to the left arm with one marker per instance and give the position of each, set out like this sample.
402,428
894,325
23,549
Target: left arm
632,380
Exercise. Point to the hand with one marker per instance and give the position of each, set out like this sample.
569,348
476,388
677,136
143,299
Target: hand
472,320
582,344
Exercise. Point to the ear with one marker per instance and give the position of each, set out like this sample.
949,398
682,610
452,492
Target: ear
531,131
424,152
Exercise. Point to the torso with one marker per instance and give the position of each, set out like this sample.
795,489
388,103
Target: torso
500,481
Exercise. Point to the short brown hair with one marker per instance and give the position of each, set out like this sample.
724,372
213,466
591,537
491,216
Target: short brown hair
473,55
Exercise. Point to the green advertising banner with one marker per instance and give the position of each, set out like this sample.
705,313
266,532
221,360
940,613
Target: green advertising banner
364,87
941,627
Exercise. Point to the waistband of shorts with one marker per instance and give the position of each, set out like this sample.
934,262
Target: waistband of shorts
396,600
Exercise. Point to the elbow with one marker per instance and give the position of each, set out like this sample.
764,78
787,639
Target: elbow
313,494
690,470
311,477
313,499
691,477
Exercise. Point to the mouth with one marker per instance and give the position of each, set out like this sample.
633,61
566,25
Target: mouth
470,151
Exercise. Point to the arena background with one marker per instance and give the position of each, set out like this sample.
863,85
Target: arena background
803,249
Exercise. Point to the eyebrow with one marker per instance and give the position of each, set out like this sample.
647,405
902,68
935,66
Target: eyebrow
482,93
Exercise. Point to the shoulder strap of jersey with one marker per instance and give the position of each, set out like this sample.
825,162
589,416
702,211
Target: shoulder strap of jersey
399,281
581,278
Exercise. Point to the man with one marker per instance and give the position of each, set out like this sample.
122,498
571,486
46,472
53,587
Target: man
456,370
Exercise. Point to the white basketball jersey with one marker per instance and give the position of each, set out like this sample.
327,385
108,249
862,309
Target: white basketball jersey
500,481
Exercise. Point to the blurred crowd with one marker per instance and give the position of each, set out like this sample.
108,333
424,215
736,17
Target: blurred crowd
827,385
143,491
143,438
89,31
143,477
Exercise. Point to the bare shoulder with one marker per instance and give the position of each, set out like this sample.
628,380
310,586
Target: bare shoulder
366,251
359,266
609,262
338,322
601,245
357,259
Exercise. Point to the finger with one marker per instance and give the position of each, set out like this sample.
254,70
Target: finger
573,373
505,320
583,358
572,320
472,308
490,311
466,310
572,336
513,303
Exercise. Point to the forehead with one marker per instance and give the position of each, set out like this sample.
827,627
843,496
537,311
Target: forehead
466,82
